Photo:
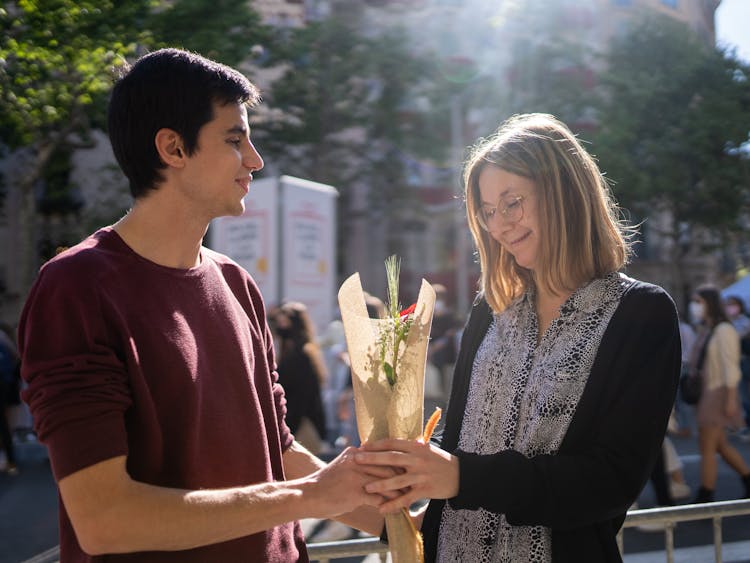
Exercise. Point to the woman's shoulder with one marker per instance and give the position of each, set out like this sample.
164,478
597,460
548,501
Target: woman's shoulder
635,290
646,302
725,329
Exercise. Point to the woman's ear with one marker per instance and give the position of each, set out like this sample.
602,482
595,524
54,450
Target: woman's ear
169,146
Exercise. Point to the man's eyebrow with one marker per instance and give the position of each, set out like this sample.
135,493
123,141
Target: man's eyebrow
238,129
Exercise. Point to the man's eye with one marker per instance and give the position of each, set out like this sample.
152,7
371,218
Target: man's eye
235,142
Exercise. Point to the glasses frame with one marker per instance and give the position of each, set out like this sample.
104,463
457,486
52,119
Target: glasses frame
504,210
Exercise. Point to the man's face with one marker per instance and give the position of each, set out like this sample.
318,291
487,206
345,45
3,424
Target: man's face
217,176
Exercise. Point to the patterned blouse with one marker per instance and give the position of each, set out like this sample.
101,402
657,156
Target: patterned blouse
522,396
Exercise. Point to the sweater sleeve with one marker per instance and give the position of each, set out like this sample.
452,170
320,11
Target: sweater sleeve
728,354
285,435
77,384
614,437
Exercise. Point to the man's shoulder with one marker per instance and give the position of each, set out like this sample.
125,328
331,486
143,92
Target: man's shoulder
219,258
227,265
234,274
86,258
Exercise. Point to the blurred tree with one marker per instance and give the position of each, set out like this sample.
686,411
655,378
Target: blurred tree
56,58
550,76
223,30
551,66
673,117
349,109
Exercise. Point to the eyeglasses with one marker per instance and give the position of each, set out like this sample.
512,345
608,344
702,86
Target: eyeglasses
510,210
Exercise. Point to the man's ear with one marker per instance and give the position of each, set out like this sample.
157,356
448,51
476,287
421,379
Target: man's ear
169,146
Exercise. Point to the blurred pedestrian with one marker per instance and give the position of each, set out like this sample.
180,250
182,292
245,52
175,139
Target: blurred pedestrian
302,374
566,375
336,358
716,356
9,395
735,308
442,350
679,423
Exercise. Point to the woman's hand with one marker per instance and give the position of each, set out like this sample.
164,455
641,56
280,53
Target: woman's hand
423,471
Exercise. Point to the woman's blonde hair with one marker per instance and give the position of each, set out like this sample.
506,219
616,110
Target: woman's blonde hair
582,237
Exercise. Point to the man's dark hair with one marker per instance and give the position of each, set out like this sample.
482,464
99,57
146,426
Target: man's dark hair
173,89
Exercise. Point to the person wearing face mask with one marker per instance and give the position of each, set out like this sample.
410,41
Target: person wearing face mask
735,308
566,373
717,355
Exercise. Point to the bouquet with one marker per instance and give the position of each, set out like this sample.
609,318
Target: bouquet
388,359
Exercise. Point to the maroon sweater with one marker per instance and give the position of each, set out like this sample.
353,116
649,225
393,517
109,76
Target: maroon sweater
172,368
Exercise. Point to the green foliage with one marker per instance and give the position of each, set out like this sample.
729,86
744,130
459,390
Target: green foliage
340,109
395,331
673,117
56,58
223,30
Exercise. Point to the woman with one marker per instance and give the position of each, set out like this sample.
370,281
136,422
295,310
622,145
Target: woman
566,374
302,373
717,356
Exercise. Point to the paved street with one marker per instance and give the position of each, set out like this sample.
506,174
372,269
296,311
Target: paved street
28,514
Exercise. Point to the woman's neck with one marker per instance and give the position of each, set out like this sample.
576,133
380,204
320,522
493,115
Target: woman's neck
548,306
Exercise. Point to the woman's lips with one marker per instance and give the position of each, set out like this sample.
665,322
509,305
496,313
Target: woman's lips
520,239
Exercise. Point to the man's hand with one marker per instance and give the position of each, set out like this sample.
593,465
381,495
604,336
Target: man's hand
423,471
339,487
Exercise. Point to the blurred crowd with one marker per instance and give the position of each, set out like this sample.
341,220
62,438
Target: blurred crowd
715,336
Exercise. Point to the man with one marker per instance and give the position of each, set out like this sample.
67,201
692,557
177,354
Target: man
150,366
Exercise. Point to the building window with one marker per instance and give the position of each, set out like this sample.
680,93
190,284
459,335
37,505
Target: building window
670,3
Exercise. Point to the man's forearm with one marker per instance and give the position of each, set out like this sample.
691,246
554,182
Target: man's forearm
130,516
111,513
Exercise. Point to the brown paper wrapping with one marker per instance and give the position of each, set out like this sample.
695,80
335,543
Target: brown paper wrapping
384,411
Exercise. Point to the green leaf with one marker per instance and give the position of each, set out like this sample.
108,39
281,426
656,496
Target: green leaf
389,373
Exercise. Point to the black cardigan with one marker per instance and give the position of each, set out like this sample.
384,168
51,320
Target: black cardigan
583,492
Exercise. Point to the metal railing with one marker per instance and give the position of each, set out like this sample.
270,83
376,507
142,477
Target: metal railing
668,516
323,552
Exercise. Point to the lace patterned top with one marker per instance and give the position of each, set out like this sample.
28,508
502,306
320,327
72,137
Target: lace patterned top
522,396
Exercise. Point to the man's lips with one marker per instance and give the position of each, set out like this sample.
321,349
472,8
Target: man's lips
244,183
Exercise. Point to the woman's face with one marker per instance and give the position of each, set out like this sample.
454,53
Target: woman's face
733,308
282,321
501,189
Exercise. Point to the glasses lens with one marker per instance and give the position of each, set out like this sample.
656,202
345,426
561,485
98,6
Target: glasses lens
483,219
513,210
510,210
